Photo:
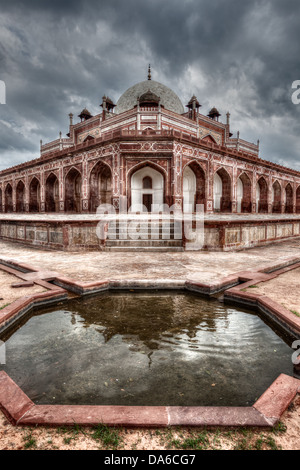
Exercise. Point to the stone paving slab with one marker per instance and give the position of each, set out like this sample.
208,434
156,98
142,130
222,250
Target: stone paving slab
14,402
138,416
279,395
206,267
216,416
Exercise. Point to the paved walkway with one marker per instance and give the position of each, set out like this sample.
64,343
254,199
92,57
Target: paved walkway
207,267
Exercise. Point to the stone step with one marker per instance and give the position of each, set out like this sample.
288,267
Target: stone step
143,236
162,249
155,235
144,243
143,227
144,222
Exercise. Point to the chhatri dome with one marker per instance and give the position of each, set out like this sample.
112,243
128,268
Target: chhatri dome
168,98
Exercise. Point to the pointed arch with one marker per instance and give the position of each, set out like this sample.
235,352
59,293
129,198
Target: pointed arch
200,179
276,197
73,182
140,165
244,193
262,191
148,163
89,138
222,191
34,195
209,138
20,196
52,193
147,197
8,198
100,186
148,131
289,199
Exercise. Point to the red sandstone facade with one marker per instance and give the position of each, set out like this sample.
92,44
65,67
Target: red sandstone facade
96,163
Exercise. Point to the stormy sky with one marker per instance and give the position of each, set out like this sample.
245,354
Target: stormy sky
58,57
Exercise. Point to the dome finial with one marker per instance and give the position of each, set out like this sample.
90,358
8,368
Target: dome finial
149,72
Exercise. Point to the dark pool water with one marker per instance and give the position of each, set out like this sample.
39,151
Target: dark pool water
146,349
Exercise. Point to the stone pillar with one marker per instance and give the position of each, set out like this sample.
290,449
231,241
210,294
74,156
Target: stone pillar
176,187
159,117
234,189
253,196
116,186
42,192
294,198
270,196
138,117
61,190
1,198
210,186
85,186
283,199
14,195
26,194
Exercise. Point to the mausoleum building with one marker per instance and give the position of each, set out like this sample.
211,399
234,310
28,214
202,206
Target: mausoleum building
149,149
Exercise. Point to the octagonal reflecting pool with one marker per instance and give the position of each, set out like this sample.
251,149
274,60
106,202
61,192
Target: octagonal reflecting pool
153,348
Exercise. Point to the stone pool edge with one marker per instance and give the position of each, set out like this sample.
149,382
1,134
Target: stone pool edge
266,412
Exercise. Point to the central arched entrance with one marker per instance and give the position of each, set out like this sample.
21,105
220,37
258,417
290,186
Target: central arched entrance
147,190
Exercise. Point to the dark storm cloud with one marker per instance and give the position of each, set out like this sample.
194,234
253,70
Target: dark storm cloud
58,57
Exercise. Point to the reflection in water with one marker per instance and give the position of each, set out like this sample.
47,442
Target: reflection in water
145,349
143,320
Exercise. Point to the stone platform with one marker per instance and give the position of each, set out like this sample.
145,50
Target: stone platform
218,232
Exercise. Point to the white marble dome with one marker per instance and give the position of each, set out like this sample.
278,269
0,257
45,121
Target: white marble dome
168,98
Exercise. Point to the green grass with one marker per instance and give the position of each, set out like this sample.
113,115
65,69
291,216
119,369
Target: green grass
3,306
67,440
197,441
29,441
295,313
279,428
108,437
250,287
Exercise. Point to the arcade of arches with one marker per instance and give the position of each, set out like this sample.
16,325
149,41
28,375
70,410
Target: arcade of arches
148,187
